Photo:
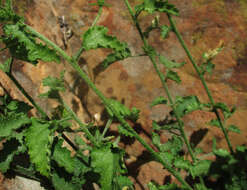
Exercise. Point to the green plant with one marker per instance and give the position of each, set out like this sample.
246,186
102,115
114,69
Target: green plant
39,139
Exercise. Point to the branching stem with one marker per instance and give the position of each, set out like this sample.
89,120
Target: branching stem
84,76
151,56
40,110
175,30
80,51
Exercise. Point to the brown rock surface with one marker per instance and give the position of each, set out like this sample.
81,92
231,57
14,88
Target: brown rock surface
202,23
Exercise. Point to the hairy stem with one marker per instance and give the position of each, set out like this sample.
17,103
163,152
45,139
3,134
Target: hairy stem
30,99
82,125
84,76
107,126
40,110
80,51
98,16
152,58
23,91
175,30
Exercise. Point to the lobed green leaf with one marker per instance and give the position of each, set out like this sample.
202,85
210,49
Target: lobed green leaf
172,75
224,108
96,37
234,128
187,104
221,152
55,84
116,56
16,106
7,14
11,148
122,110
159,100
105,162
165,31
62,156
168,157
12,122
241,149
182,164
174,145
201,168
22,45
152,6
169,126
169,64
38,140
214,122
207,67
125,132
60,183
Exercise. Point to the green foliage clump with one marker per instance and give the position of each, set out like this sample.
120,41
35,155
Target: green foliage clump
97,159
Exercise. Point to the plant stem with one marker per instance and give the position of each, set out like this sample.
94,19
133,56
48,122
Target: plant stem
125,124
84,76
107,126
151,57
175,30
17,84
98,16
83,126
72,62
78,54
180,122
50,43
30,99
40,110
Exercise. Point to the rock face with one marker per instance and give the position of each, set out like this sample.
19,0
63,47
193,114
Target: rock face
202,23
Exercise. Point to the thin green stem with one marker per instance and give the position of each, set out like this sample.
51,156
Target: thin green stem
82,125
23,91
125,124
40,110
175,30
30,99
50,43
78,54
80,51
181,128
74,65
151,57
64,119
26,172
107,126
84,76
136,22
98,16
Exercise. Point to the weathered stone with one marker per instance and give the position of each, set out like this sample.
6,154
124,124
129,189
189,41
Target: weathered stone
202,23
